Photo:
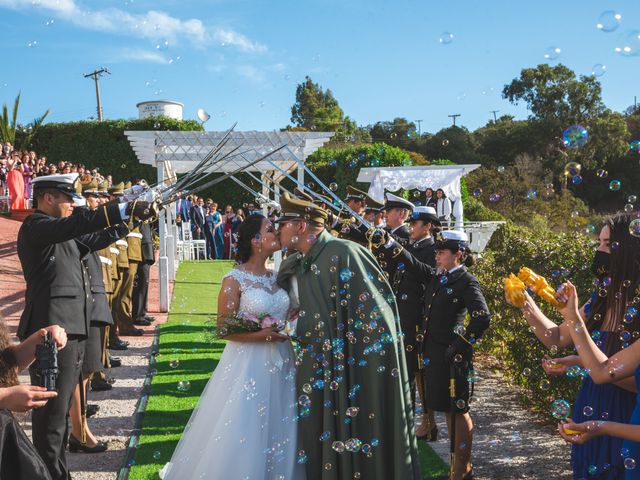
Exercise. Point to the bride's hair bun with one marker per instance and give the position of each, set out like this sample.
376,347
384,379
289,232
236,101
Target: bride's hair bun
249,228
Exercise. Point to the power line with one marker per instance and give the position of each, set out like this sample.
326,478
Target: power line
96,74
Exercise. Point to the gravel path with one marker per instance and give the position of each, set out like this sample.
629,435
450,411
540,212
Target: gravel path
509,441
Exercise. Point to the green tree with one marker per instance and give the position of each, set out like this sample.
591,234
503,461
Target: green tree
9,126
454,143
316,109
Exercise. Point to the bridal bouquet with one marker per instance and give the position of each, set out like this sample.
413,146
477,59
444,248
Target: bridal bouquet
246,323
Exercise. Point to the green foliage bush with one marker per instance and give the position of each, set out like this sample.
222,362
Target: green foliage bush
103,145
556,256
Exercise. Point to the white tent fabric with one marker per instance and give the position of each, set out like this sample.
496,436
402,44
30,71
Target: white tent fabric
446,177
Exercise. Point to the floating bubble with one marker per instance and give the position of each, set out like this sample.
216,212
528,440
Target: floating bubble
325,435
302,457
500,169
494,197
526,372
602,173
333,186
615,185
629,44
598,70
589,229
461,404
445,143
175,363
587,411
32,44
629,463
162,45
592,469
156,455
48,23
184,385
545,384
477,192
635,146
575,136
628,208
576,180
560,409
156,125
552,53
532,194
338,446
608,21
446,38
634,227
352,411
632,199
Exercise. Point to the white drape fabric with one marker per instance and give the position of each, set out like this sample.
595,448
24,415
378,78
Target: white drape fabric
395,179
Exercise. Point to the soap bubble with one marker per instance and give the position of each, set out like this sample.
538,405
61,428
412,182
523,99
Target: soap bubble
632,199
608,21
587,411
446,38
560,409
628,208
634,227
333,186
602,173
575,136
445,143
635,146
500,169
532,194
629,463
615,185
552,53
572,169
162,45
598,70
32,44
338,446
156,455
576,180
477,192
184,385
629,44
494,197
175,363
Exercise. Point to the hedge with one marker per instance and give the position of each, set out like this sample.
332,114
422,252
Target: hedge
558,257
103,145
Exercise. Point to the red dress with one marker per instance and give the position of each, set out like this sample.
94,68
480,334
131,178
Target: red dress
15,182
228,224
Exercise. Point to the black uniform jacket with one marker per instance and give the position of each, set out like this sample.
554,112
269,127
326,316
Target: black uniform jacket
400,234
447,300
58,291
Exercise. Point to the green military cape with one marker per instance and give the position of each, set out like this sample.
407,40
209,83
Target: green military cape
350,356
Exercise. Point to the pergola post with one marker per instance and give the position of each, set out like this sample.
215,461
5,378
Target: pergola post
163,267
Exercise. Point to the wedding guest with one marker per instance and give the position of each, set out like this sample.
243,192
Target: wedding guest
430,199
209,232
443,206
605,318
15,182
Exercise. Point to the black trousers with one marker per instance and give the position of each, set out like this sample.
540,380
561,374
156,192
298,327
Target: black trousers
140,292
49,423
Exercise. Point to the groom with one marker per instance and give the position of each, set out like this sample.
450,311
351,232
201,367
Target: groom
353,392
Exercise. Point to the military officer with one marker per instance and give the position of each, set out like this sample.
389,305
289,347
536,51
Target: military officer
347,226
374,212
125,305
141,285
58,293
397,211
446,343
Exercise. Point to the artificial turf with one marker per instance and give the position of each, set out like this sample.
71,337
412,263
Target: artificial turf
183,338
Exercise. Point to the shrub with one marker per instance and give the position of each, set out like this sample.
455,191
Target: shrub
558,257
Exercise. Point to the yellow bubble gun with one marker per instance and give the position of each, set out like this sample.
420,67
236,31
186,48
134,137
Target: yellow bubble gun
539,285
514,290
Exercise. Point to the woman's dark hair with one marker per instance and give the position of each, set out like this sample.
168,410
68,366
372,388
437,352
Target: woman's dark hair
620,289
468,259
8,371
444,195
248,230
428,190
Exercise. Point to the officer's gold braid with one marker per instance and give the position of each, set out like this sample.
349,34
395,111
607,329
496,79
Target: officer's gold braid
106,215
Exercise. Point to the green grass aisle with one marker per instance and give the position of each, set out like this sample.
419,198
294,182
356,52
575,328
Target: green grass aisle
182,338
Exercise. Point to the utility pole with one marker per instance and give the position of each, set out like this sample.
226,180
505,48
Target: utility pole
454,116
96,74
419,122
495,118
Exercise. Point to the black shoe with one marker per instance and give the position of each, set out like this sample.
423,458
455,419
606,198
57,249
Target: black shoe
150,318
134,332
142,322
117,344
433,434
100,385
75,446
114,362
469,474
92,409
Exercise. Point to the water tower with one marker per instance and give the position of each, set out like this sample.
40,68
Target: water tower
157,108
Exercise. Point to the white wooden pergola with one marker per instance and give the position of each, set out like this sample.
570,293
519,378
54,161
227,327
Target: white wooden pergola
174,152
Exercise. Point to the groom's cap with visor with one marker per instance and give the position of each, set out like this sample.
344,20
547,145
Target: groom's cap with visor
393,201
292,208
68,183
372,205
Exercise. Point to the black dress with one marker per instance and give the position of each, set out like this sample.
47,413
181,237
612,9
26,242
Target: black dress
446,344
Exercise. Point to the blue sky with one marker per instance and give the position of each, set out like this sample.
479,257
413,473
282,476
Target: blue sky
241,59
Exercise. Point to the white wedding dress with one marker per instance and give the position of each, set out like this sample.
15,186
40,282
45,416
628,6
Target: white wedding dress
245,423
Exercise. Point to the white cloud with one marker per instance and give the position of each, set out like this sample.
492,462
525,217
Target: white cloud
139,55
154,25
251,73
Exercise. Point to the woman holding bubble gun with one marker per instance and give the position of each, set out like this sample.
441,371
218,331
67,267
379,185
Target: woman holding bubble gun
611,318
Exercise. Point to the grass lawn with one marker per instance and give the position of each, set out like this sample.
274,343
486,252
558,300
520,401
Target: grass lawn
182,338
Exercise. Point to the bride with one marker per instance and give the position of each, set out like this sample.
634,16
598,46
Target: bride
245,423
